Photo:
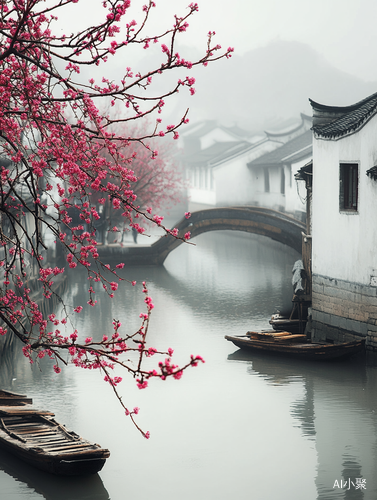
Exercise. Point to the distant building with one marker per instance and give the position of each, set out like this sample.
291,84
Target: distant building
272,176
344,236
202,135
219,164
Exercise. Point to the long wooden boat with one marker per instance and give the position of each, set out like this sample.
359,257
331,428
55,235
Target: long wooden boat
296,345
34,436
13,399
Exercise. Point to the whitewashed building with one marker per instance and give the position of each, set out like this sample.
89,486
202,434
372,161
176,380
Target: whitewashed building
344,235
272,176
217,161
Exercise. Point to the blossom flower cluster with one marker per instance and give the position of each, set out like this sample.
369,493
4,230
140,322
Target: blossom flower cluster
66,168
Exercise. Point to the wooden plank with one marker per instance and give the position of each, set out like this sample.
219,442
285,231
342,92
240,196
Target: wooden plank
25,425
86,451
8,393
49,441
10,401
12,419
296,337
22,410
34,428
8,396
69,446
63,444
39,428
38,435
271,335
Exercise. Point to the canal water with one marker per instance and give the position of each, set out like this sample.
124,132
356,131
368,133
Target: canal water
243,426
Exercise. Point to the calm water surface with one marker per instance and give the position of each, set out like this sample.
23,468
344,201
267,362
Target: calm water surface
242,426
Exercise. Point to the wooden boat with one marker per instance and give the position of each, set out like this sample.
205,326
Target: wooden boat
292,325
13,399
34,436
295,345
296,321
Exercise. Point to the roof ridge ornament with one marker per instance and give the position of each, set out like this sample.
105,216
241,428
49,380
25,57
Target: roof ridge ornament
372,173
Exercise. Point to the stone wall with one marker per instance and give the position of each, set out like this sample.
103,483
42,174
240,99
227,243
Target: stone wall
344,311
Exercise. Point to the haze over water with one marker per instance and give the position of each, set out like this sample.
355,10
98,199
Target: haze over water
243,426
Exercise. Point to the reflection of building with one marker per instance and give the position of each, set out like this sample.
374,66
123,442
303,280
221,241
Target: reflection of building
336,413
344,258
222,169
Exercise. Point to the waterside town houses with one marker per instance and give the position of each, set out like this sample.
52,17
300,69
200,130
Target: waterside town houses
338,161
226,167
343,205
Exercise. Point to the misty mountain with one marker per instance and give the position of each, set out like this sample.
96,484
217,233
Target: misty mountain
272,84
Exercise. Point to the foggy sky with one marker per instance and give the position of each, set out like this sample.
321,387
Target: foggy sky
286,51
343,32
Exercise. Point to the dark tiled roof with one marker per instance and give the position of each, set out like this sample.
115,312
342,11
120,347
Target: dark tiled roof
217,153
288,127
304,171
200,129
334,121
295,149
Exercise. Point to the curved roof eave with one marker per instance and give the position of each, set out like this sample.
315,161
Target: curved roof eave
333,122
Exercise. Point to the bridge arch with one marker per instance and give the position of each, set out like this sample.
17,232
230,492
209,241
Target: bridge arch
271,223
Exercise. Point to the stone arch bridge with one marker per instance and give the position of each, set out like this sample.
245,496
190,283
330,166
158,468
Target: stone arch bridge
271,223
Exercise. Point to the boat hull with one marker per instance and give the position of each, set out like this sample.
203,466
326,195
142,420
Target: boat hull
306,350
54,465
35,437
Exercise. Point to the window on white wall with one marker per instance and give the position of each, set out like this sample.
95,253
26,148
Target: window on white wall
348,186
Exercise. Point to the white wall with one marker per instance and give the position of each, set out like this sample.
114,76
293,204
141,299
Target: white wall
345,243
202,196
234,181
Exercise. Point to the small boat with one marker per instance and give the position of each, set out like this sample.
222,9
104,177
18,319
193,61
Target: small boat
13,399
298,345
35,437
281,323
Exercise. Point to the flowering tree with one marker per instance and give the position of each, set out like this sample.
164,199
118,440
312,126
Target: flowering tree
57,149
159,181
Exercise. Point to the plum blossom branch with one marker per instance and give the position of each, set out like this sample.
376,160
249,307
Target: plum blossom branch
68,169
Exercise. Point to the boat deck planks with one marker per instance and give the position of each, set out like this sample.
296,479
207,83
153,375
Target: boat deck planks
11,398
34,436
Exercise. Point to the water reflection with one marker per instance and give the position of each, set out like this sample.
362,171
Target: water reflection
49,486
200,278
337,412
242,426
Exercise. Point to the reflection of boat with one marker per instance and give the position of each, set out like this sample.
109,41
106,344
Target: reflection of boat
34,436
296,345
51,486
